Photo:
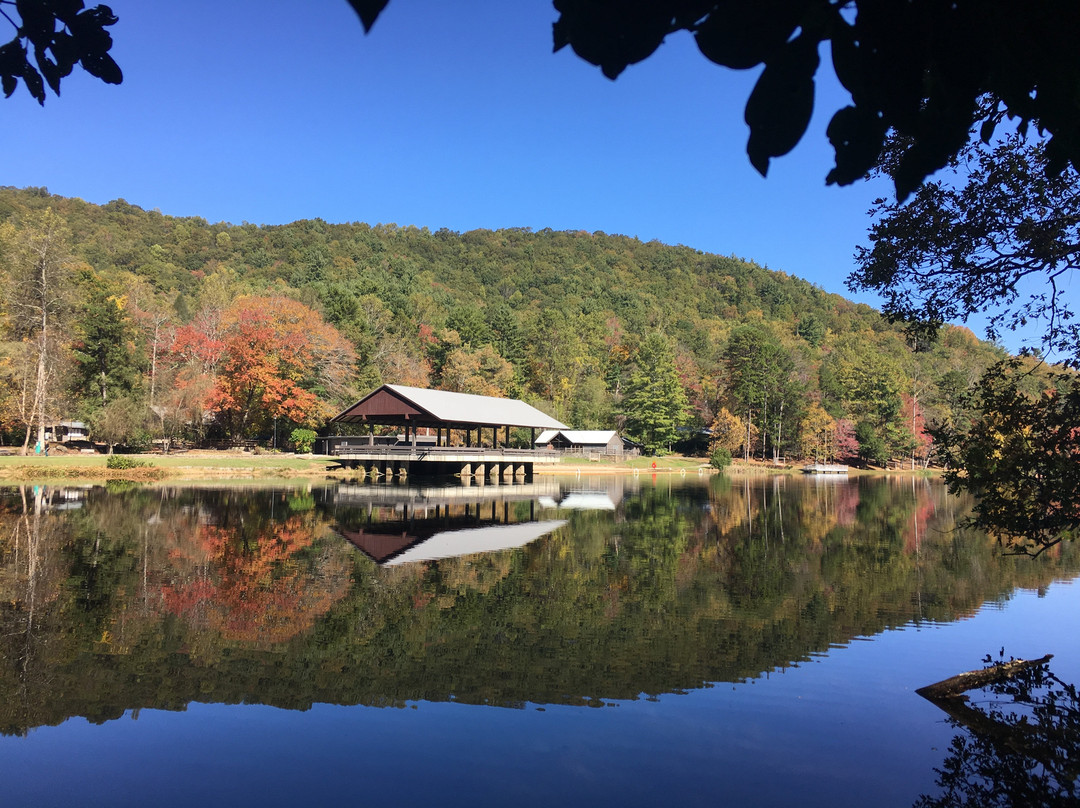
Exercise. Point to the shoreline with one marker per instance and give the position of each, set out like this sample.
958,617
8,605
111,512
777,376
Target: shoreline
210,464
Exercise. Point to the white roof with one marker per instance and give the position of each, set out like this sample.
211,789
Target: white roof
587,501
466,408
470,541
599,437
589,437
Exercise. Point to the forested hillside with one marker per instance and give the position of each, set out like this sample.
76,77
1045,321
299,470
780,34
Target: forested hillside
149,326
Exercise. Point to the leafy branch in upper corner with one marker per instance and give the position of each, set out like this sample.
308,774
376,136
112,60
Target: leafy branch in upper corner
1004,236
61,34
917,69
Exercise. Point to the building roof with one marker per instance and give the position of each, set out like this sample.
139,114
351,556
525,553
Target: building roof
585,437
398,404
489,539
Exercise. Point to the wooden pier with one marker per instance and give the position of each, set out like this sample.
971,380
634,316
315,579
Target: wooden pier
480,464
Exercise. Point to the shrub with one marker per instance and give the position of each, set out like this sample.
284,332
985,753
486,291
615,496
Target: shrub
303,439
124,462
720,458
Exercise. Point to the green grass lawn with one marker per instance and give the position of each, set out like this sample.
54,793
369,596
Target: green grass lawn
179,462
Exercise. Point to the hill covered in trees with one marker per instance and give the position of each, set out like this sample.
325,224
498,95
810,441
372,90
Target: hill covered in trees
119,316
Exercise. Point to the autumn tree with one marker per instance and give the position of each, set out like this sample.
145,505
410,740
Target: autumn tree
1021,457
817,433
728,431
915,421
481,372
38,305
268,357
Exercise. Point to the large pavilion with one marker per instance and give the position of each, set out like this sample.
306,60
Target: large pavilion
456,437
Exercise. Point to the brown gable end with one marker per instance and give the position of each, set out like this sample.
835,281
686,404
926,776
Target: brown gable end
380,404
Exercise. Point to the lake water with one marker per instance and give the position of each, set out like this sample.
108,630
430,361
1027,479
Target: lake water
635,641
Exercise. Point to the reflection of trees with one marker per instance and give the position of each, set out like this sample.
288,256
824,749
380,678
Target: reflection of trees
85,620
162,596
266,590
1017,745
31,579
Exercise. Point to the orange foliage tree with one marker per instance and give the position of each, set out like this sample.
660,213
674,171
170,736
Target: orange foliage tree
267,357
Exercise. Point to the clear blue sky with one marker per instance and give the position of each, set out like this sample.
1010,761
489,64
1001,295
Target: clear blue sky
448,114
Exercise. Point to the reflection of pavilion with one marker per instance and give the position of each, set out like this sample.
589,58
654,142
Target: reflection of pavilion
389,550
398,525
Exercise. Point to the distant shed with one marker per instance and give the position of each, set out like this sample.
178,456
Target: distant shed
581,440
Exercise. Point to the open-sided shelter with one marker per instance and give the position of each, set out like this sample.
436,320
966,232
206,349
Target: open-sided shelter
413,408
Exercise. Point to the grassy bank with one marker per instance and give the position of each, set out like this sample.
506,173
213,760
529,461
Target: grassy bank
188,465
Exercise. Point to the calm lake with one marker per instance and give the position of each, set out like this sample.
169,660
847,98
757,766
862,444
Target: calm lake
634,641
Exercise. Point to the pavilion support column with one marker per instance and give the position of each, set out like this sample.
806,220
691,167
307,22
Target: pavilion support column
466,470
479,470
520,470
506,439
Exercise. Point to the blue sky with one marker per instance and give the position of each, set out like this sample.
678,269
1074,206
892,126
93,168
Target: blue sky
450,115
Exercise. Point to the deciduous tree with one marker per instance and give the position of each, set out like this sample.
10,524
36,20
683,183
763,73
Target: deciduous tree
1021,457
269,357
38,304
919,69
999,236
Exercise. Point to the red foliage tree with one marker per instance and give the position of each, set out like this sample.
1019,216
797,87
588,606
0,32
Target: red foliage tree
268,357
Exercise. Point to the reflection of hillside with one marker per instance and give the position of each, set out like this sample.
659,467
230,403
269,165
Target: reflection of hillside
155,598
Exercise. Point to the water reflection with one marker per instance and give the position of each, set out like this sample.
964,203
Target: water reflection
395,525
161,596
1017,744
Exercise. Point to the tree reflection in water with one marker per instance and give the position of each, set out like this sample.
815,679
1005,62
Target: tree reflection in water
131,597
1018,745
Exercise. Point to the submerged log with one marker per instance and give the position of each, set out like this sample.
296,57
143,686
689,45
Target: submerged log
956,686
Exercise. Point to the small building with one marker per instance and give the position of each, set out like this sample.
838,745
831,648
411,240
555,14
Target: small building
66,431
582,441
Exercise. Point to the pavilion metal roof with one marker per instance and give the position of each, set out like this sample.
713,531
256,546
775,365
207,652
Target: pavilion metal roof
389,403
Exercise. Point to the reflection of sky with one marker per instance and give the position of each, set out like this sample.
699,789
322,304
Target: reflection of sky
844,728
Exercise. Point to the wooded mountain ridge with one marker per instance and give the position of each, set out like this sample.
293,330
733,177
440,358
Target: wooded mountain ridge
220,328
